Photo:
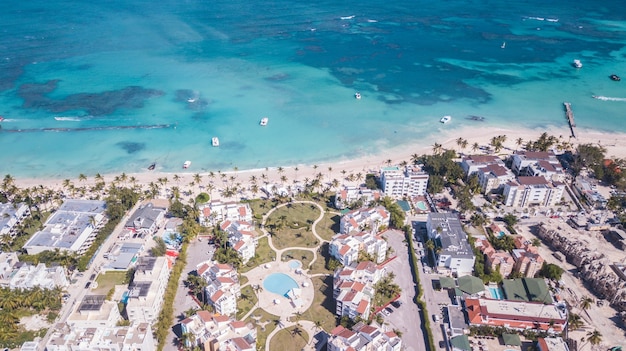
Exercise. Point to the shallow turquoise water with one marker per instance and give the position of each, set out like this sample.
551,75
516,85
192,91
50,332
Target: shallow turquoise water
279,283
207,69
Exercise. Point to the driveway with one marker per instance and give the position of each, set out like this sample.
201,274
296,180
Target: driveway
406,318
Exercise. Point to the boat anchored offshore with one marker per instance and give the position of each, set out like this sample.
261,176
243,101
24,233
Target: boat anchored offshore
152,166
215,141
264,121
357,95
186,164
615,77
445,119
503,45
577,64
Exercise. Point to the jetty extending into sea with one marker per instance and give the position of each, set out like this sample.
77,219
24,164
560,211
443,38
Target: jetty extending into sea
570,118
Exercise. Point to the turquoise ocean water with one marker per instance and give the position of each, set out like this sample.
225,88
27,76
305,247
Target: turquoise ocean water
113,86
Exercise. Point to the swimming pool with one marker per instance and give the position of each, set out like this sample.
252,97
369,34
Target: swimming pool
294,264
421,205
279,283
496,293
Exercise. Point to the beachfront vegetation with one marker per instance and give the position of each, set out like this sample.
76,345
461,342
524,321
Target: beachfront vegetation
442,169
551,271
396,214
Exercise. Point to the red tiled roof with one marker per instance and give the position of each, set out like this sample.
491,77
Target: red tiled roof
362,308
217,295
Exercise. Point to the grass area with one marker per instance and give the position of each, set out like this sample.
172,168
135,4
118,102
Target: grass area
328,226
108,280
264,254
243,280
246,302
291,226
290,339
304,256
263,330
323,307
260,207
319,266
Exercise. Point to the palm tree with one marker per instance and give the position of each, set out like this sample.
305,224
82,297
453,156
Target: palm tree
415,158
519,142
197,178
459,141
594,337
82,177
585,302
475,147
436,148
574,321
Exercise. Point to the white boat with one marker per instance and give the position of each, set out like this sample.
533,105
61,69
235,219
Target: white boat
186,164
357,95
577,64
503,45
264,121
215,141
445,119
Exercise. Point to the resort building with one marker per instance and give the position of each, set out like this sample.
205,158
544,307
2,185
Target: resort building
11,216
94,311
353,289
29,276
552,344
8,263
456,255
371,219
527,289
363,337
223,287
532,191
218,332
241,237
353,197
538,163
73,227
146,220
214,212
528,263
472,163
587,189
497,260
408,182
145,295
134,337
518,315
346,247
493,177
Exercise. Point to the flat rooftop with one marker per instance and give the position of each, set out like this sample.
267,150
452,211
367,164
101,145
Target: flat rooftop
526,310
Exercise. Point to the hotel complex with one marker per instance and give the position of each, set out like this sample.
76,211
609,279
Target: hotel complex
456,255
397,182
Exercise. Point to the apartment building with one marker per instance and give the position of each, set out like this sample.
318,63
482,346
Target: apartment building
214,212
398,182
346,247
532,191
364,219
456,255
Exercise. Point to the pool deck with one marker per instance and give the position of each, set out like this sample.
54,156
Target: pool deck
267,299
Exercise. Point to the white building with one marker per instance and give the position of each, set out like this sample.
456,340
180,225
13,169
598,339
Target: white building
472,163
94,311
217,332
587,189
493,177
456,255
538,163
397,182
147,219
346,247
11,215
552,344
363,337
8,262
364,219
350,195
223,287
214,212
527,191
146,293
73,227
353,289
241,237
29,276
81,338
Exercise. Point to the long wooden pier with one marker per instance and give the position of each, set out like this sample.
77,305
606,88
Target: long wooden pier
570,118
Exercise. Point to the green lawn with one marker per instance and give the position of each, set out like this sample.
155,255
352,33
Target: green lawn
289,339
323,307
243,280
108,280
262,333
264,253
304,256
260,207
319,266
328,226
246,302
291,226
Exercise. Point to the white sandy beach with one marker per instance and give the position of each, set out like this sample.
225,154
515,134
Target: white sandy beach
615,143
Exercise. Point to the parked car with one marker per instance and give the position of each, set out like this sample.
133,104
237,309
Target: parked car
385,312
87,285
397,303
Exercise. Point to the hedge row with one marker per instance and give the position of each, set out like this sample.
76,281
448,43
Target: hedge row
166,317
420,292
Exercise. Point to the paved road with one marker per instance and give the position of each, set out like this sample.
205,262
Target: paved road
406,318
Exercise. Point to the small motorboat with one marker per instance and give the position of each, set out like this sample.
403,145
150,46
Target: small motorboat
445,119
1,118
152,166
503,45
615,77
186,164
264,121
357,95
215,141
577,64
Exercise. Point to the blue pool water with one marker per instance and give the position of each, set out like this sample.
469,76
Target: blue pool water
125,297
295,264
279,283
496,293
421,206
